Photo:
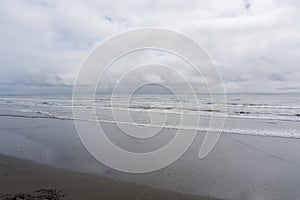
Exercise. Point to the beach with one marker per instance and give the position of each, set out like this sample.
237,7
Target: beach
28,180
256,157
239,167
150,100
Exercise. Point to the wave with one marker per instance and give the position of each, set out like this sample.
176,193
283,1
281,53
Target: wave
177,111
33,116
287,133
156,108
253,105
208,112
238,111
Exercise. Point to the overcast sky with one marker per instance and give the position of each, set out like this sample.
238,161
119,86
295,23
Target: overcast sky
255,44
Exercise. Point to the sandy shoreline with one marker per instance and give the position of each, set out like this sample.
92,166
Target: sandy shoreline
28,179
240,166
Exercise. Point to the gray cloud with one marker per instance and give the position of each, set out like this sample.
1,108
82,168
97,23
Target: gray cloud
255,44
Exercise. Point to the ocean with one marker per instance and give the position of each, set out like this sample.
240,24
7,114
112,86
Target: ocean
274,115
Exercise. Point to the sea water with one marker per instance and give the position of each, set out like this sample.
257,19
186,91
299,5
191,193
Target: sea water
274,115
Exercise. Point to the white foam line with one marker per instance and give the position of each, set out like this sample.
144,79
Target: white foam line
265,133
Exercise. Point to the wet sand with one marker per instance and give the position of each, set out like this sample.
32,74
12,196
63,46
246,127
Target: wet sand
20,179
240,166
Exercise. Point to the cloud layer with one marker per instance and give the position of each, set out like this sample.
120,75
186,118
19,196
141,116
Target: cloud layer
255,44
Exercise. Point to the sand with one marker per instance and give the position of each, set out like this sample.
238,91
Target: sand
240,166
21,179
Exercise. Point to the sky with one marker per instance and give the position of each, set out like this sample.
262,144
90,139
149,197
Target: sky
255,44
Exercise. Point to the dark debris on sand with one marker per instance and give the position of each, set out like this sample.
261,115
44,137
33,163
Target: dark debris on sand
43,194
